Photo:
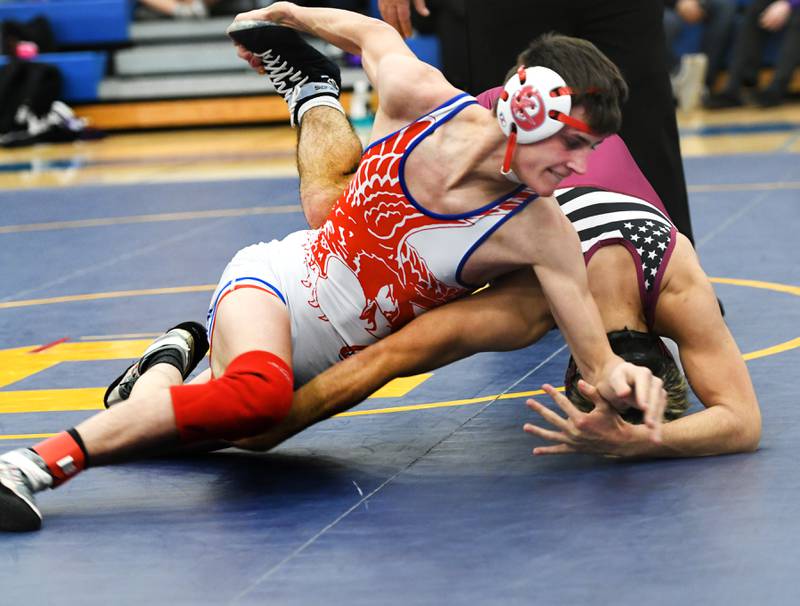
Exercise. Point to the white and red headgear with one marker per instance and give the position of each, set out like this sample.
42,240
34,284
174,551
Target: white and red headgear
534,105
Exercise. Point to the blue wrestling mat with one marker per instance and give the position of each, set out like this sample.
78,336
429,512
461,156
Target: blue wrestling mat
428,495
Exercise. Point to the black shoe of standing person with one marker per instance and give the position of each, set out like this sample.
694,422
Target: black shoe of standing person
769,98
723,100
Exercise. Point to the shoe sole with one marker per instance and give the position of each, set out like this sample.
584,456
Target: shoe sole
248,32
16,513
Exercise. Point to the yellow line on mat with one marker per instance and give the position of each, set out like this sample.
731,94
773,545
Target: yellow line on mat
787,288
154,218
771,351
108,295
356,413
794,290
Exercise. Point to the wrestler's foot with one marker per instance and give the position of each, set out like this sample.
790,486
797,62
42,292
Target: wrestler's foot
22,473
182,346
301,74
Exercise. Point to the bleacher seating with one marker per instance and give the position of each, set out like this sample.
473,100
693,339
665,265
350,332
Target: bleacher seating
81,72
76,22
77,25
689,40
163,64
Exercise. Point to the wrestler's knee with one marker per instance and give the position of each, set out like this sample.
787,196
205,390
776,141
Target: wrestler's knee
253,395
317,202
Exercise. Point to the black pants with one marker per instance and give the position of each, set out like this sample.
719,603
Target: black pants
481,40
749,46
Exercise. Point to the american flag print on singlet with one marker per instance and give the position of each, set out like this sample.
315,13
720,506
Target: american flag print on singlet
603,217
381,258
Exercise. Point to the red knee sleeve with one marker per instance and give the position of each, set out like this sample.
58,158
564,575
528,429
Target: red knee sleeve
254,394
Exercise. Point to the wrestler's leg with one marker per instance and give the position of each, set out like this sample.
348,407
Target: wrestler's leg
251,363
248,320
511,314
167,361
163,376
328,152
157,378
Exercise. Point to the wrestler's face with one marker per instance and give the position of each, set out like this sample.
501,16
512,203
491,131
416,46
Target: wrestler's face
543,165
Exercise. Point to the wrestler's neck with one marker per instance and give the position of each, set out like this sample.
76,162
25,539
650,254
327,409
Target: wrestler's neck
473,148
459,164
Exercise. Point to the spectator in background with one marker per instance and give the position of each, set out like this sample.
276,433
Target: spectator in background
485,37
694,75
763,19
180,9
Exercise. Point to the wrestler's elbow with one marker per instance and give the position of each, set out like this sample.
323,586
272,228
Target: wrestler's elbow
749,435
745,430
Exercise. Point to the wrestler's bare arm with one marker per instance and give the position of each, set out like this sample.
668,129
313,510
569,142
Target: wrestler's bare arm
406,86
558,264
511,314
688,313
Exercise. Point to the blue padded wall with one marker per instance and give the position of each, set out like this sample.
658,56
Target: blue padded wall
82,73
76,22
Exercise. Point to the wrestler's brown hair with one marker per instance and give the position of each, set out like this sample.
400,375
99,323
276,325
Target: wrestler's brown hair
598,84
643,349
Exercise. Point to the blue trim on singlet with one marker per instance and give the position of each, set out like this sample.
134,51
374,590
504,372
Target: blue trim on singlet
392,134
486,235
272,287
410,148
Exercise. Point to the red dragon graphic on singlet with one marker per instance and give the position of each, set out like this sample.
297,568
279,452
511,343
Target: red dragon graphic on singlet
368,230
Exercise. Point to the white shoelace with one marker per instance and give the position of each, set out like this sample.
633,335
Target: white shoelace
281,74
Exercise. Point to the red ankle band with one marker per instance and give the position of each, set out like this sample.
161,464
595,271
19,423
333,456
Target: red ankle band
62,455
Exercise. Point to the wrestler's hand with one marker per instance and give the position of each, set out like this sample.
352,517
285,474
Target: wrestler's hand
625,385
278,12
281,13
776,15
397,13
601,431
250,58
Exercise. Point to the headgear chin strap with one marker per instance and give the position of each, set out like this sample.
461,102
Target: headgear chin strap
533,106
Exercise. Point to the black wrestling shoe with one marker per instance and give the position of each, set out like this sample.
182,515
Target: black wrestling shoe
183,346
296,69
22,473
